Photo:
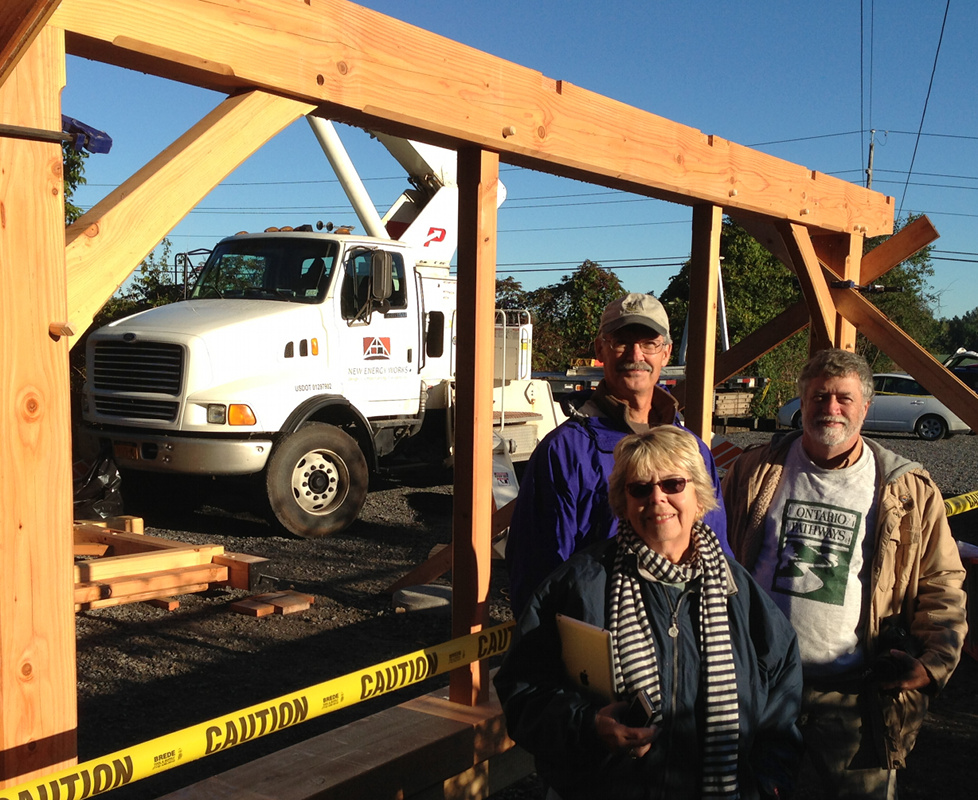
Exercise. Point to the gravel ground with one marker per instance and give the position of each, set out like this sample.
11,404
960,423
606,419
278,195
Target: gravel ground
144,672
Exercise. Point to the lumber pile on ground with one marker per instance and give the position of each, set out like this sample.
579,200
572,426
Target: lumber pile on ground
113,566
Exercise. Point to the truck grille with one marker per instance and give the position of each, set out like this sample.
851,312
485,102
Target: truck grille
138,367
136,409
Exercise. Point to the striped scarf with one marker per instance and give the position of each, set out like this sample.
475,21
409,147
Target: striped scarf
635,662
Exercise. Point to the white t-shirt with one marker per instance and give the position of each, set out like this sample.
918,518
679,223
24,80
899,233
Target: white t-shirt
816,554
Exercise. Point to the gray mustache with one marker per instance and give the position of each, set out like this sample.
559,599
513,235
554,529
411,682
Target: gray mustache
630,366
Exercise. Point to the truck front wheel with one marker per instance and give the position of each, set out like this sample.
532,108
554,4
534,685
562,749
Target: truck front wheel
316,480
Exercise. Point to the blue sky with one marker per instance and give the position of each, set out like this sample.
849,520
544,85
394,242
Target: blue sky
803,81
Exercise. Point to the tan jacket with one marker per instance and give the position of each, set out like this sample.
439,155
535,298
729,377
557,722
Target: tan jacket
916,572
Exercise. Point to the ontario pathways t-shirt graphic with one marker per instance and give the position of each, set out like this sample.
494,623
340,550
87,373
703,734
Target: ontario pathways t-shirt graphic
814,555
817,546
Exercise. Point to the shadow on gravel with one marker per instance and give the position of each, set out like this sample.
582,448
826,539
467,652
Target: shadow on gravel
228,676
144,672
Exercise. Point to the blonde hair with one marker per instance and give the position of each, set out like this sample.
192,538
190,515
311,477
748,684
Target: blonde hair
660,450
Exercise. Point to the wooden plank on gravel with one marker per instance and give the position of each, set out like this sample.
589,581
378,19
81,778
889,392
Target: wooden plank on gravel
262,605
290,602
166,603
252,608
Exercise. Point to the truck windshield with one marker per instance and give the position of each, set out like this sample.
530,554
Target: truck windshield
290,269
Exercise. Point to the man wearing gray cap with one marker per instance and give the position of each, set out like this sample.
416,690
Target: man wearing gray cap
563,500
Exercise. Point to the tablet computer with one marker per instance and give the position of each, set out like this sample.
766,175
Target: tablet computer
586,652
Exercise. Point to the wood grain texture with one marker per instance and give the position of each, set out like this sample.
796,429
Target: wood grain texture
814,286
478,181
37,646
367,69
704,281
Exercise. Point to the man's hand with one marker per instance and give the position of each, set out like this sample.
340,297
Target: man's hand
617,737
910,673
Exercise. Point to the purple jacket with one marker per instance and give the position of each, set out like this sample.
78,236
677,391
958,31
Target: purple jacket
563,506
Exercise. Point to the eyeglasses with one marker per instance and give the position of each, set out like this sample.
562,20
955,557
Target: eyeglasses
668,485
648,346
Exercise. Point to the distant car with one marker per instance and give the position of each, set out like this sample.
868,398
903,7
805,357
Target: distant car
900,404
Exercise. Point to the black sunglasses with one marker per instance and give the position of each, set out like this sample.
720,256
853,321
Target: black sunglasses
670,486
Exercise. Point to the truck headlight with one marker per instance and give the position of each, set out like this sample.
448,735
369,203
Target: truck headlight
216,413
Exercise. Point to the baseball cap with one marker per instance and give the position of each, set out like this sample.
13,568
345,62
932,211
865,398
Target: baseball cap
635,309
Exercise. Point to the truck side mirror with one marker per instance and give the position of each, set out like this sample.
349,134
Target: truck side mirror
381,275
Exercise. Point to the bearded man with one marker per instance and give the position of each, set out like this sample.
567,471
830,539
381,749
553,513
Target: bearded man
851,541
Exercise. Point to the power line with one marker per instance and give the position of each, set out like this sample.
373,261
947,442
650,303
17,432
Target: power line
860,133
590,200
923,113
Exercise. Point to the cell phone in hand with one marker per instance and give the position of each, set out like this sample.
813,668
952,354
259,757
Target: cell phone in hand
640,711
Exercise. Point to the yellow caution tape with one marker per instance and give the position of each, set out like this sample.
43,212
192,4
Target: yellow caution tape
961,503
173,749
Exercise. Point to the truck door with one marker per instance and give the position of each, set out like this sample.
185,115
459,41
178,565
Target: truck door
380,338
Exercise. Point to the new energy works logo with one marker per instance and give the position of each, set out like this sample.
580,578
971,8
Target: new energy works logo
376,348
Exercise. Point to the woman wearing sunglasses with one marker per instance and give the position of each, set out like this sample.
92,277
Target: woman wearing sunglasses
692,634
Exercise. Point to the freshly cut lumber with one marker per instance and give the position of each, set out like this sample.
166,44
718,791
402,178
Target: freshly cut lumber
261,605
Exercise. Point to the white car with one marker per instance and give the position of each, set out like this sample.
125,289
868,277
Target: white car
900,404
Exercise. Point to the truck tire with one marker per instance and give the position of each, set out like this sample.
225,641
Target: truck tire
316,480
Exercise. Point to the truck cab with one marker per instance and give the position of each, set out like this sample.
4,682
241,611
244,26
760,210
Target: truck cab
312,356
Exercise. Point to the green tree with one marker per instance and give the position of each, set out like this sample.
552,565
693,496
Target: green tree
73,166
565,314
510,293
152,284
957,332
757,287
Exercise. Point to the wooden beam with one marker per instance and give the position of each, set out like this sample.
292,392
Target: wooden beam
20,23
899,247
814,287
899,346
704,277
478,181
142,597
440,561
122,541
368,69
107,243
753,346
103,569
37,639
121,588
841,255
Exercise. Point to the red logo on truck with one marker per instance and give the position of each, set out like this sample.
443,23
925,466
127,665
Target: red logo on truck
435,235
376,347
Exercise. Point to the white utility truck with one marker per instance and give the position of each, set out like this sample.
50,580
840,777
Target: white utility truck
312,358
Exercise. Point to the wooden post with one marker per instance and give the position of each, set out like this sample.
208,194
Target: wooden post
478,179
37,633
704,276
842,255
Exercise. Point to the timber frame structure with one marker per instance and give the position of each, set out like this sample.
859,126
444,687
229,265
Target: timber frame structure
277,60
